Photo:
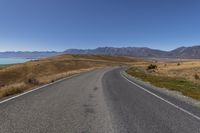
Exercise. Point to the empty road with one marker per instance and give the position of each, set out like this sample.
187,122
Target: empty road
100,101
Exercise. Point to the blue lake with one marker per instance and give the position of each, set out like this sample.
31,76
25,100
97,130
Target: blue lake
12,60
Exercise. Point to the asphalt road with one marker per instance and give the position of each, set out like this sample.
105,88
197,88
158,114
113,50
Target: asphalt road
100,101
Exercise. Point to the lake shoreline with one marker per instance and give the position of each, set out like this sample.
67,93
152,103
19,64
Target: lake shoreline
10,61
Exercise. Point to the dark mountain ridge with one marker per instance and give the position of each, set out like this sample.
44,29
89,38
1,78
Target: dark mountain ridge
181,52
125,51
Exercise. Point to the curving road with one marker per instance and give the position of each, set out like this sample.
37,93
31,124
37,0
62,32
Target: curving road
100,101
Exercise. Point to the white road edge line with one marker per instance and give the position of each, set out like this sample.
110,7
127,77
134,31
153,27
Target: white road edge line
176,106
19,95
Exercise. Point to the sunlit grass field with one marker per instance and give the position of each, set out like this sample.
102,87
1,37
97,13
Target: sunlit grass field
179,76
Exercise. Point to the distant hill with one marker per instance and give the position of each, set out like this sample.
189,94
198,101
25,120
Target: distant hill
181,52
185,52
127,51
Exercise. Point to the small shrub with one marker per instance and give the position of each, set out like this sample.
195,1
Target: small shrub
196,76
32,81
178,64
152,66
2,84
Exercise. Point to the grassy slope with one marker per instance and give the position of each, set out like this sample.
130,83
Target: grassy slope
186,87
18,78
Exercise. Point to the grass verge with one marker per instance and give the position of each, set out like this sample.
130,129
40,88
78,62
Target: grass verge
187,88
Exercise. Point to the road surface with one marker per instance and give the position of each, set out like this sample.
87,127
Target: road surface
100,101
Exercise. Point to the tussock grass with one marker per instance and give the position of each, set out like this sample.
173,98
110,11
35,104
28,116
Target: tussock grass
12,89
186,87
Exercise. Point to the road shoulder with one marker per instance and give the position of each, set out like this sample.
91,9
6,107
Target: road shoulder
174,97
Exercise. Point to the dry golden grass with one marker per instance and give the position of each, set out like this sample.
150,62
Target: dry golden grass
18,78
182,76
184,69
12,89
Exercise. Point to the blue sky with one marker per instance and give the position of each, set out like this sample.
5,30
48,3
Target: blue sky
62,24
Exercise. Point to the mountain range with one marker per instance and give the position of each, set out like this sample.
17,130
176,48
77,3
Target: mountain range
144,52
181,52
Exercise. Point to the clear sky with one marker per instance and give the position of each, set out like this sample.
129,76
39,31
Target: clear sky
62,24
